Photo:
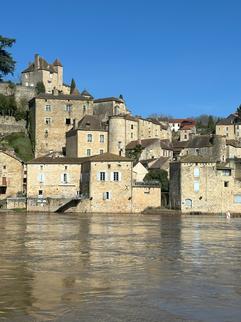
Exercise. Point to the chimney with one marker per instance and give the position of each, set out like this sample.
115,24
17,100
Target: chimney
36,61
75,124
55,92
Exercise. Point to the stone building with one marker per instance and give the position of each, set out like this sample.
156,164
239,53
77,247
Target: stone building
11,175
89,137
199,184
52,176
124,129
230,127
176,124
213,146
139,172
109,106
50,74
187,130
107,186
51,116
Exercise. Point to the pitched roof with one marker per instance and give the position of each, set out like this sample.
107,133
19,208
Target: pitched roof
233,143
159,163
144,143
108,99
126,117
108,157
11,154
51,159
57,63
86,93
76,92
61,97
166,145
178,145
43,65
200,141
90,122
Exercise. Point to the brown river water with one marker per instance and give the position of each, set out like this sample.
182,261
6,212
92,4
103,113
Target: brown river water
119,268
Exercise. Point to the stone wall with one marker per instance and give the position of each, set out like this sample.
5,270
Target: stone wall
20,92
16,203
144,197
8,125
11,175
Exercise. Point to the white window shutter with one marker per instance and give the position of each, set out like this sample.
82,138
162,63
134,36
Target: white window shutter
110,196
98,176
62,178
119,176
106,176
112,176
104,195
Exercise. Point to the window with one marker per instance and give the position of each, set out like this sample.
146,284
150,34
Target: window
132,135
65,178
84,109
107,195
26,84
226,172
46,133
47,120
88,152
132,126
68,108
66,167
102,176
225,184
4,167
102,138
41,178
116,176
101,151
196,172
227,128
89,137
237,199
196,186
68,121
48,108
40,193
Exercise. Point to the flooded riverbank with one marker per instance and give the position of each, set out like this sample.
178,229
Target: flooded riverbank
119,268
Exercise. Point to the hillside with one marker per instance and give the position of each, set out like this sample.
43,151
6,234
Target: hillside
21,144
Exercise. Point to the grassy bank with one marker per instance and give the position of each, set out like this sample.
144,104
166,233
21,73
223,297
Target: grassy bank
21,144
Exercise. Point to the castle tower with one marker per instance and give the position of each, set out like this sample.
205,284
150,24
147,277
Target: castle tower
59,69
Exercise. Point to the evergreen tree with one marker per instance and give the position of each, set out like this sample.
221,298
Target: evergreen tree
7,64
40,88
211,124
72,86
239,111
135,153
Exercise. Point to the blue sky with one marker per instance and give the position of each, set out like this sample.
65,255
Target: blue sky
174,57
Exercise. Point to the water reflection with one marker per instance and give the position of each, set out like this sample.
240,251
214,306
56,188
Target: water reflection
119,268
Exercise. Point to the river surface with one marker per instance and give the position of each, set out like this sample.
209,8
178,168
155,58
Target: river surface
119,268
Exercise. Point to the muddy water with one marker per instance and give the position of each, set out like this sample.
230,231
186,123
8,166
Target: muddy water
119,268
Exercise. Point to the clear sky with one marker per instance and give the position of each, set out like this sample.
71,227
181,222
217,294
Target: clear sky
175,57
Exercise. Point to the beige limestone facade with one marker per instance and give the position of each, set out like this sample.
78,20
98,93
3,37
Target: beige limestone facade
51,75
52,116
124,129
107,185
82,143
53,177
139,172
204,186
106,107
11,175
